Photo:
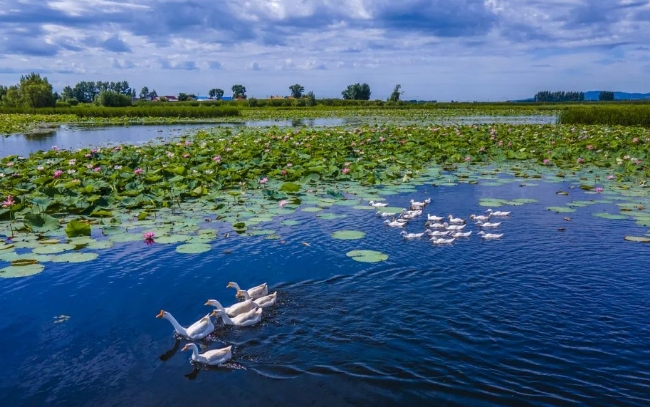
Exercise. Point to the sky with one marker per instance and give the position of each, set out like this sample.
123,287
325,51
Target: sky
463,50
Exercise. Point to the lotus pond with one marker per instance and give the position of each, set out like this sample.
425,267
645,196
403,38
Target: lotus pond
553,313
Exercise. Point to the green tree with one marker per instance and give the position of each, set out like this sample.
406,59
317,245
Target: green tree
184,97
297,90
238,91
144,93
606,96
311,99
111,98
153,94
216,93
357,91
31,91
394,97
3,92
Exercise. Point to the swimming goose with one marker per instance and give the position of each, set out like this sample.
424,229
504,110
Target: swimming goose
490,235
456,227
480,218
395,224
497,213
438,225
435,218
488,224
378,204
252,317
198,330
254,292
235,309
385,214
212,357
419,205
442,241
461,234
262,302
438,233
455,220
412,235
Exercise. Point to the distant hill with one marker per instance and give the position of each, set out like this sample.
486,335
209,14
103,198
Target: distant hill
593,95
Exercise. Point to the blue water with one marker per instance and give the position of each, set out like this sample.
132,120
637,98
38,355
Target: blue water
541,317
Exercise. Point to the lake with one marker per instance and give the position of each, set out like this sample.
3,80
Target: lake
541,317
76,136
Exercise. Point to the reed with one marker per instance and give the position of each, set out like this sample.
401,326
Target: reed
624,115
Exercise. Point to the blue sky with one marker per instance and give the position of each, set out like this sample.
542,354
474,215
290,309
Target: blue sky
436,49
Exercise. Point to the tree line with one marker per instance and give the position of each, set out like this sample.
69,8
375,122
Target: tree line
561,96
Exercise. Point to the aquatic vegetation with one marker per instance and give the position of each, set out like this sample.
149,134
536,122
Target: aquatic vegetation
624,115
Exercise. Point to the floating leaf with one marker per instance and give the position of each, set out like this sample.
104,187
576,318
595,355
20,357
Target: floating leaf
77,227
640,239
53,248
41,222
77,257
100,245
172,239
606,215
348,235
390,209
367,256
312,209
193,248
290,187
290,222
331,216
21,271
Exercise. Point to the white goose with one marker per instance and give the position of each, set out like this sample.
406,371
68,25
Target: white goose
435,218
455,220
490,235
419,205
212,357
497,213
198,330
235,309
252,317
378,204
442,241
438,225
255,292
456,227
480,218
395,223
262,302
412,235
489,224
385,214
461,234
439,233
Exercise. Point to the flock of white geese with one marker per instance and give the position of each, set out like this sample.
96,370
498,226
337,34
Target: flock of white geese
244,313
440,232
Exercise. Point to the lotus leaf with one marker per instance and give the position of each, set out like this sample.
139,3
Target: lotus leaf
77,227
172,239
77,257
560,209
41,222
21,271
53,248
367,256
348,235
312,209
193,248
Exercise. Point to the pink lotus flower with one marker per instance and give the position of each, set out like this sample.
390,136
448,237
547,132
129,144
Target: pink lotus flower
282,203
581,160
546,161
635,140
187,143
148,238
468,158
97,169
590,147
382,139
284,172
599,190
186,155
610,177
9,202
346,170
216,158
57,174
137,171
264,180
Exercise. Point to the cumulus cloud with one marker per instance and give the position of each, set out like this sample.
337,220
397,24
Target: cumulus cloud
332,41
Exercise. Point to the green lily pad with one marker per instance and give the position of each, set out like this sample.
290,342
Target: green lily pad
77,257
364,207
290,222
172,239
367,256
390,209
100,245
21,271
331,216
126,237
53,248
640,239
77,227
611,216
348,235
193,248
490,202
261,232
312,209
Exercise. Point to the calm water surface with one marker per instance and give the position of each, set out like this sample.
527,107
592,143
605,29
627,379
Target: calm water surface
539,318
72,137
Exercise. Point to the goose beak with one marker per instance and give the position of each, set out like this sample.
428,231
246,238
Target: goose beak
186,347
161,314
207,302
229,285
